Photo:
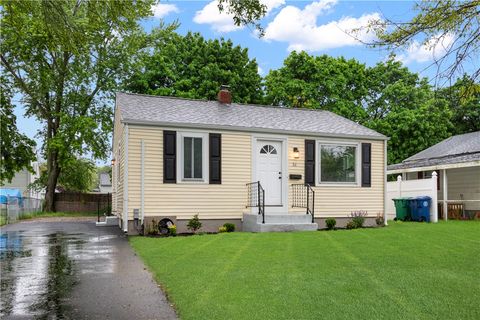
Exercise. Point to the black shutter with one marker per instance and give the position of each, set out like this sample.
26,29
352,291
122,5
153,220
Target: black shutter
169,157
310,162
366,164
215,158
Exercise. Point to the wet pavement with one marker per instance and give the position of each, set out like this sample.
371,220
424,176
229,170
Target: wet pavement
74,270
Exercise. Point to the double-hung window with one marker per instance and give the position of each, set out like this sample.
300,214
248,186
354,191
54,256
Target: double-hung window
338,163
193,161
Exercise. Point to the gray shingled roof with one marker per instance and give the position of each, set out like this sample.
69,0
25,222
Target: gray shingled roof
104,179
144,109
456,149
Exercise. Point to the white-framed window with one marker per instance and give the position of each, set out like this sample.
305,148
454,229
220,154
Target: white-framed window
338,163
192,163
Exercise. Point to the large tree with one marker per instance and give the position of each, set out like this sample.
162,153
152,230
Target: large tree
190,66
322,82
387,97
77,175
16,149
64,58
450,29
463,99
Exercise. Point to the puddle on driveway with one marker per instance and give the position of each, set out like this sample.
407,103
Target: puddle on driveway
39,270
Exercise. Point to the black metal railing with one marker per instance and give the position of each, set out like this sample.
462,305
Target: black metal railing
303,196
256,197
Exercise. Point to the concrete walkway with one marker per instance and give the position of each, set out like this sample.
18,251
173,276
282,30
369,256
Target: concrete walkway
74,270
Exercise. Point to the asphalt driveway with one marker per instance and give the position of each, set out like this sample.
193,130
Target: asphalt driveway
74,270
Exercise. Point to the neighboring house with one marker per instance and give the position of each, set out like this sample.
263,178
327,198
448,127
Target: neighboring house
457,162
104,183
178,157
23,179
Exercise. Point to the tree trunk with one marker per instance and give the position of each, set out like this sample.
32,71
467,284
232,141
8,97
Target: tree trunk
53,173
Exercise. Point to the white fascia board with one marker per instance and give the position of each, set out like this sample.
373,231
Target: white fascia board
437,167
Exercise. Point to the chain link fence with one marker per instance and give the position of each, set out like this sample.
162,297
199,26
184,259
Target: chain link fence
15,208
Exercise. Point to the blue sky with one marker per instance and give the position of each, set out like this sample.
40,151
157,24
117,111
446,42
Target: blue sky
319,27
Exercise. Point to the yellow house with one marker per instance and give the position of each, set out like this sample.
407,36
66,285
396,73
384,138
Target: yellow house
262,168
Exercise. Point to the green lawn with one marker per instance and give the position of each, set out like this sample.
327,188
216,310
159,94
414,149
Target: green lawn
406,270
56,214
40,214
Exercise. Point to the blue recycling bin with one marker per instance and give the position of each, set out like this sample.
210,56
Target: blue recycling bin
420,208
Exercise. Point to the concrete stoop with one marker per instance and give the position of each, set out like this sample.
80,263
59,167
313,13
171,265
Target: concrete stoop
278,223
109,221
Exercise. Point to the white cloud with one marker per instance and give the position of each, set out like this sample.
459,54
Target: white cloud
433,49
161,10
299,28
223,21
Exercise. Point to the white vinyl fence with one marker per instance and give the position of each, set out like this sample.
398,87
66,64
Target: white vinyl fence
15,208
413,188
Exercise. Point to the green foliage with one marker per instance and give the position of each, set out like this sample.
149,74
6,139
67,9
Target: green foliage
222,229
77,175
151,228
322,82
229,227
351,225
245,12
330,223
463,99
16,149
387,98
451,25
194,224
358,218
380,220
404,107
65,58
191,67
172,230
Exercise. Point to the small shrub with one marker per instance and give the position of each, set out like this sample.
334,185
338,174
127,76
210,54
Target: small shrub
222,229
379,220
230,227
194,224
172,230
330,222
358,218
351,225
152,228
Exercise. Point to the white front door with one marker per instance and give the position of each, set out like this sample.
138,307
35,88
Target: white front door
269,170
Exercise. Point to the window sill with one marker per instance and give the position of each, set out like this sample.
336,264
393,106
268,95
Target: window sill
336,184
193,181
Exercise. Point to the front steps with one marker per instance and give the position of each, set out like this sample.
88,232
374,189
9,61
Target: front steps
278,223
109,221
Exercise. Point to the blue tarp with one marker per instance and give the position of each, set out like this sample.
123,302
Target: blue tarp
5,193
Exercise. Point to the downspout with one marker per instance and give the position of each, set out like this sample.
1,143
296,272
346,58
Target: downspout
125,184
385,182
142,182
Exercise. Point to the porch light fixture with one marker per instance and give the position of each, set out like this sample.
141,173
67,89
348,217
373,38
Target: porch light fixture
113,162
296,153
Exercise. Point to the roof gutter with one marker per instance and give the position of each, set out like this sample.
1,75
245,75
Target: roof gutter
251,129
436,167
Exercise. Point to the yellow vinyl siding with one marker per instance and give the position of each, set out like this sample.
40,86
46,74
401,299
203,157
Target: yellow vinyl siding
338,201
226,200
118,149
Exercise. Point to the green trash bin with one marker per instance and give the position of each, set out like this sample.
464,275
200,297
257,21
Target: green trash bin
402,208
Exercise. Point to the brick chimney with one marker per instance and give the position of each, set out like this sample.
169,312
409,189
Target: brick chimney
224,95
